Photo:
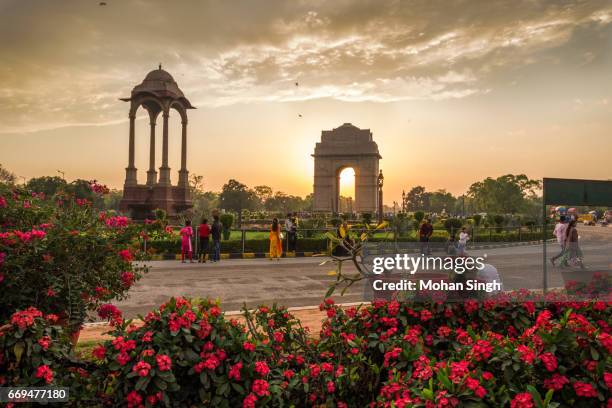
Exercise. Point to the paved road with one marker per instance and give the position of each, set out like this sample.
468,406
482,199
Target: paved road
303,282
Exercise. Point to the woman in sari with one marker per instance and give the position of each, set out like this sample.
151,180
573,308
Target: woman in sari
276,241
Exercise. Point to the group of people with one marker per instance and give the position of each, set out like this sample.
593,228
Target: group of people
567,236
456,245
206,234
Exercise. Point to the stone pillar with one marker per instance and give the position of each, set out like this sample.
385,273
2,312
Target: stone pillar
151,173
164,170
130,171
183,173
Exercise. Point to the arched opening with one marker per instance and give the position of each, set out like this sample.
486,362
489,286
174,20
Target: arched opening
346,198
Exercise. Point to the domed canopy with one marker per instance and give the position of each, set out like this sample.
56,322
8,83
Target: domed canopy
160,84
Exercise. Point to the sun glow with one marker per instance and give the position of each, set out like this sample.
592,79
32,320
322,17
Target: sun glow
347,182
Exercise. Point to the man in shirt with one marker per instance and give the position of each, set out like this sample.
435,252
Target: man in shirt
215,233
425,233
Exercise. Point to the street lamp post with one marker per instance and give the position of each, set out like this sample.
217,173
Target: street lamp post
381,180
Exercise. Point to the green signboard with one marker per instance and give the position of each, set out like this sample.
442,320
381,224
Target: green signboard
577,192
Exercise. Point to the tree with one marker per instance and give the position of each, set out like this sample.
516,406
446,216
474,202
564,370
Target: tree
236,196
507,194
46,184
284,203
263,193
417,199
6,176
441,200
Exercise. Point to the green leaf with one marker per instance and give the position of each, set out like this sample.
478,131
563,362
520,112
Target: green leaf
594,354
18,350
536,396
427,394
239,388
142,383
548,398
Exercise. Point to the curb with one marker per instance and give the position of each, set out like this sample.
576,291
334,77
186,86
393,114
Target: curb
305,254
246,255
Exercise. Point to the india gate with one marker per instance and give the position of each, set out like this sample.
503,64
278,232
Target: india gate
342,147
158,93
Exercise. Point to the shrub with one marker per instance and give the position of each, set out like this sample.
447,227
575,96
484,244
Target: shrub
477,219
227,220
452,225
419,216
61,256
35,352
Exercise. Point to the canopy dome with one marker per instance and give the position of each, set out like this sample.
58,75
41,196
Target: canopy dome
160,84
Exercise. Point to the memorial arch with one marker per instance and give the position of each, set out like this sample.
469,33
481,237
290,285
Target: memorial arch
342,147
157,94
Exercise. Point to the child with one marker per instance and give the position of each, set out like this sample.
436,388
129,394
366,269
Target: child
186,234
464,237
204,232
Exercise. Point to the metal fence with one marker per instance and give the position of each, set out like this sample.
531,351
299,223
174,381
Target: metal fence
477,235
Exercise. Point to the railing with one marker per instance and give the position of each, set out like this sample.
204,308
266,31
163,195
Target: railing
314,240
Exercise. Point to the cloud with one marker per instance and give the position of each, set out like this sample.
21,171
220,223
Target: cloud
68,62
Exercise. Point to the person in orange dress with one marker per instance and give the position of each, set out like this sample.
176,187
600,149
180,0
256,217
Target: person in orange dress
276,241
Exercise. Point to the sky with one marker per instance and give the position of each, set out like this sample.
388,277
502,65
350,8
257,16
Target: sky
453,91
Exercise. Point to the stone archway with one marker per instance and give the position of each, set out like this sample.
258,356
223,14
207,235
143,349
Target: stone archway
342,147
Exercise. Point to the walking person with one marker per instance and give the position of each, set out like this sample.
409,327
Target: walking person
186,247
572,253
289,229
425,233
276,240
215,234
204,234
464,237
559,233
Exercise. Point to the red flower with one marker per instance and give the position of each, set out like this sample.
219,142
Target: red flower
147,337
163,362
127,278
331,388
142,368
44,372
522,400
249,401
234,372
584,389
608,380
288,374
126,255
260,387
549,360
51,318
556,382
109,311
262,368
248,346
527,354
25,318
278,336
44,342
133,399
99,352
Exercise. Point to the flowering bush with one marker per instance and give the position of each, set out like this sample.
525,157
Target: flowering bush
497,353
36,352
62,257
508,352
